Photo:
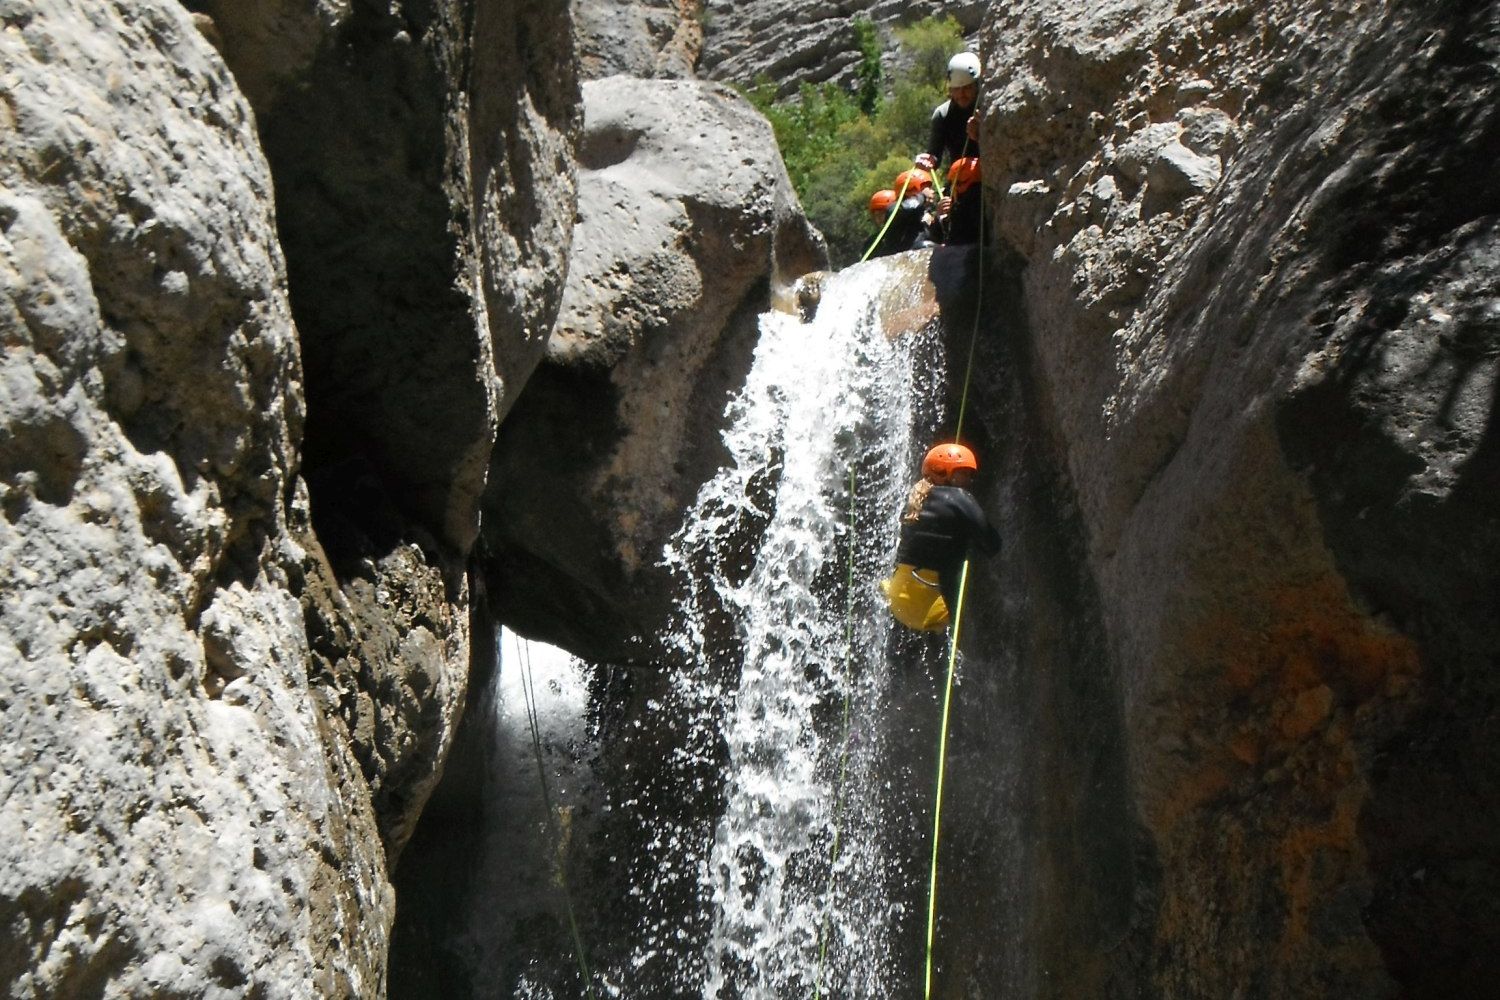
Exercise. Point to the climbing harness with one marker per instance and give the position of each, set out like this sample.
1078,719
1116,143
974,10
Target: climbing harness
916,600
528,696
838,801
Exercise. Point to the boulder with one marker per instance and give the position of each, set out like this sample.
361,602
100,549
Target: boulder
241,451
687,225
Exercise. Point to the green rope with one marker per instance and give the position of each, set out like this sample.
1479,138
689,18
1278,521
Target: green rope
528,696
888,220
838,805
963,585
937,810
963,403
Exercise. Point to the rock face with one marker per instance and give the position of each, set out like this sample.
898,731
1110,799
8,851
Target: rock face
426,225
687,225
180,818
229,694
648,39
792,43
425,189
1256,252
743,41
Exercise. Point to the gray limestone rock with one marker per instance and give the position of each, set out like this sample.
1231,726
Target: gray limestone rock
180,817
1256,242
687,225
791,43
270,44
1175,173
647,39
425,197
231,694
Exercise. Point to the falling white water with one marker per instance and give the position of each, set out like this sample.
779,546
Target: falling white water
711,824
540,684
821,399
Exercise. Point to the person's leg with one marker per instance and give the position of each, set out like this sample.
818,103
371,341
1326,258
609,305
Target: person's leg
948,584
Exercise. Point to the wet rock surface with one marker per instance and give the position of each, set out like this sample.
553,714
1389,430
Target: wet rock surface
1260,344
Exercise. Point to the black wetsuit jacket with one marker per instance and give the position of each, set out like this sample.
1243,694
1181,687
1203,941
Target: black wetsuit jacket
949,133
964,224
908,231
948,526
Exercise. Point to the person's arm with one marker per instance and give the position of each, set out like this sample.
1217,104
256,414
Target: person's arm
982,534
935,139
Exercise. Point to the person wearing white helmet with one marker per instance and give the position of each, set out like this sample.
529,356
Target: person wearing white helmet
955,122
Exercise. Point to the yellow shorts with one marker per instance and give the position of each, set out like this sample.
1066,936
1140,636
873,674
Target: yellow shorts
915,598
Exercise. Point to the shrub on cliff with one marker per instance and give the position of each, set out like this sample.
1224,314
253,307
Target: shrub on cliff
842,146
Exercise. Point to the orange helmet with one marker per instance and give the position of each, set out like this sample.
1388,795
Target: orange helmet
915,180
946,459
963,174
881,201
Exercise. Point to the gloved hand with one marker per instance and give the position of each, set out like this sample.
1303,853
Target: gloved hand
926,161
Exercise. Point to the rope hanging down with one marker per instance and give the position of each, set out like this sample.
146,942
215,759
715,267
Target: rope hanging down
528,695
901,196
937,810
963,587
838,802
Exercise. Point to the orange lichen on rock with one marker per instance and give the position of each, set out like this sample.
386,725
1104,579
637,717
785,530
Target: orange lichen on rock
1311,858
1294,662
1303,637
1189,789
1307,712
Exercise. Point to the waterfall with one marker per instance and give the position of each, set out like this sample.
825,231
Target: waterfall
822,400
779,621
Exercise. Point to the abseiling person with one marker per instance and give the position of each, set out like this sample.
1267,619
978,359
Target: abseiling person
942,526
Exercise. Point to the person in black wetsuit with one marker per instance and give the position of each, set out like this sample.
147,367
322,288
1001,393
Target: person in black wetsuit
962,205
914,227
954,132
943,525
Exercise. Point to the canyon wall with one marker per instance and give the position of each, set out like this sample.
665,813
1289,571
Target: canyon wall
746,42
276,275
264,308
1251,255
789,43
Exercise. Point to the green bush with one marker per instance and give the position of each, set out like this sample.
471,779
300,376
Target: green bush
928,45
842,147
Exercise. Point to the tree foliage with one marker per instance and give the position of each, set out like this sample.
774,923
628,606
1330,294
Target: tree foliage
840,147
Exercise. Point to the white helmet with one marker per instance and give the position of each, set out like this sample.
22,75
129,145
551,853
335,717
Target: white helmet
963,69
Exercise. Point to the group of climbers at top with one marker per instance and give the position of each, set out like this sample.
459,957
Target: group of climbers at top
912,213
